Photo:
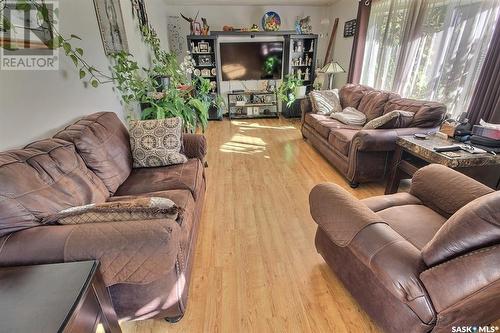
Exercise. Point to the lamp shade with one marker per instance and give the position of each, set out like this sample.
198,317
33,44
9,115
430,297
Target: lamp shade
332,68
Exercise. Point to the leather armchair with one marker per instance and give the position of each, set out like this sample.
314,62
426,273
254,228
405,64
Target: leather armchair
421,261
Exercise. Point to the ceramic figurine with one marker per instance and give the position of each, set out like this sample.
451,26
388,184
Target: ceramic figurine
312,47
307,75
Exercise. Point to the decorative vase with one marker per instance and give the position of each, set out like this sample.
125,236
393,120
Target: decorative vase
300,92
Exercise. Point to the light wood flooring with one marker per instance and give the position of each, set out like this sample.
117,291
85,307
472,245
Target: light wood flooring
256,268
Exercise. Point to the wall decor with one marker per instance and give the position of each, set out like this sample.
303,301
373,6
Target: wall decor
205,60
110,19
139,10
350,28
175,41
303,25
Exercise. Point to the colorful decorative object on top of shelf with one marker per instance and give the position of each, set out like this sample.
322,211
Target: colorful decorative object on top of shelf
254,28
271,21
205,28
303,25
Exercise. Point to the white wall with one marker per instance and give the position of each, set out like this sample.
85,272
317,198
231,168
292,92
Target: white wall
345,10
35,104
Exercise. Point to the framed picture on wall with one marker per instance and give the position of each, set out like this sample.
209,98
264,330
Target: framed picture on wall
110,20
350,28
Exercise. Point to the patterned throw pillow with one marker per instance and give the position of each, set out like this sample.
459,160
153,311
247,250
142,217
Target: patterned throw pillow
117,211
393,119
325,101
350,116
156,143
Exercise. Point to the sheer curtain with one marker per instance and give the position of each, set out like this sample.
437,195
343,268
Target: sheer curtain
429,49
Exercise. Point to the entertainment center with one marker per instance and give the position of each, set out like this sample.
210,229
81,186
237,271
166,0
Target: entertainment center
256,59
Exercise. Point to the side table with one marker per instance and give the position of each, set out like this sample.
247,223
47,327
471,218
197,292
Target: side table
66,297
412,154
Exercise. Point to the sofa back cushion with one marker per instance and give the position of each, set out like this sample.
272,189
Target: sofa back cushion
427,114
474,226
103,142
352,94
373,102
42,179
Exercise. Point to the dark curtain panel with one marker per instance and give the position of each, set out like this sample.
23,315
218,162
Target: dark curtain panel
485,103
358,45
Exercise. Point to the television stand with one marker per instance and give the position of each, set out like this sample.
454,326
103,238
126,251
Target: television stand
252,104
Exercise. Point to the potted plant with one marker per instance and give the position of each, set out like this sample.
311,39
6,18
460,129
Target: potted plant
290,89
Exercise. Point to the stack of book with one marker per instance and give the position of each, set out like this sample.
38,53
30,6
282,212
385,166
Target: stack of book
486,136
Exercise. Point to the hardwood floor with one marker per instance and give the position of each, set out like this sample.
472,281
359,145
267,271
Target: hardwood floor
256,268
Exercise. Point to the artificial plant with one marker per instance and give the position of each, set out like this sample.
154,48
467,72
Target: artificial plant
287,91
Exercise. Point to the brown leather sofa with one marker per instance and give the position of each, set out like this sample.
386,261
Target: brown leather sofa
364,155
146,265
421,261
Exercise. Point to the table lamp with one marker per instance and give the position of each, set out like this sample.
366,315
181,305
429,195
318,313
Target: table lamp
331,69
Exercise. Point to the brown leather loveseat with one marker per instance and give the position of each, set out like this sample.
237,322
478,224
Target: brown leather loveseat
364,155
146,265
421,261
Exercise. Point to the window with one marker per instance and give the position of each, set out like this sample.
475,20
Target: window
429,49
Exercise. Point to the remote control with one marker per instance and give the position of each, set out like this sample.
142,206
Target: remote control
446,148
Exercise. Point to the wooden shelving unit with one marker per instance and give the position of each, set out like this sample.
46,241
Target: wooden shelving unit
252,104
206,61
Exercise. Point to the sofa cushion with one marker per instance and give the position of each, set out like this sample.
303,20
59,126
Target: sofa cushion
350,116
427,114
352,94
416,223
146,209
42,179
182,199
393,119
341,139
325,101
102,141
156,142
323,124
187,176
373,102
474,226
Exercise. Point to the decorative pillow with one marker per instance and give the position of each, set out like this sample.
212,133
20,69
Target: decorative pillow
117,211
156,143
325,101
393,119
350,116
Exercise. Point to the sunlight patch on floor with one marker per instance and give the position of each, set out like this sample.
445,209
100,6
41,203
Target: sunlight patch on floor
248,125
244,144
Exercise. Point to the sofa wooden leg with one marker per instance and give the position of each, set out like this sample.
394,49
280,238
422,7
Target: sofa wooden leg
173,320
353,184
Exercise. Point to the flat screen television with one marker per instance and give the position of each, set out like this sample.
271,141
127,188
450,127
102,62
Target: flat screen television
251,60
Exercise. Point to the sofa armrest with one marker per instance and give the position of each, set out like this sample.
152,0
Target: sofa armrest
339,213
195,146
445,190
129,251
466,288
305,108
383,139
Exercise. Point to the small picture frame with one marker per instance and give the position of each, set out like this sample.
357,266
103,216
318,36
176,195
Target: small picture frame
350,28
203,47
205,60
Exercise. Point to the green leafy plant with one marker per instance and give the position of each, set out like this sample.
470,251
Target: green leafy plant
287,91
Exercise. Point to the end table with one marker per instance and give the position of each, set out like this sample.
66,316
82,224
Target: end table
412,154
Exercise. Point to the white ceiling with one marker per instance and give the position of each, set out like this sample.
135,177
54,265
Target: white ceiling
252,2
